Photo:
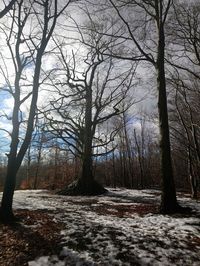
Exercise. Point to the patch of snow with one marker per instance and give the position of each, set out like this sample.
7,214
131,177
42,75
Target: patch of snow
47,261
90,238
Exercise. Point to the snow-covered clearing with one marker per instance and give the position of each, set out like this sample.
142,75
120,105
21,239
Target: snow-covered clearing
117,229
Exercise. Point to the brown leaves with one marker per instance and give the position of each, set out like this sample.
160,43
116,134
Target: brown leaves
122,210
37,235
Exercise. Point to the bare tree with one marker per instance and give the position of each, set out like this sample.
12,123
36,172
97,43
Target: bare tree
145,35
86,100
26,49
124,145
184,55
185,127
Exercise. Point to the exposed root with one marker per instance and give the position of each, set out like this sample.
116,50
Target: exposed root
81,188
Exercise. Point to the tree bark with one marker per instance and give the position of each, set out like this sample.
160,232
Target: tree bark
168,197
87,173
6,212
86,184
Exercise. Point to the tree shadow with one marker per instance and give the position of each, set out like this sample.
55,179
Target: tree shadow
23,242
135,199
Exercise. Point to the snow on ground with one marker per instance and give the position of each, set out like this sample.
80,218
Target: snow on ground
96,233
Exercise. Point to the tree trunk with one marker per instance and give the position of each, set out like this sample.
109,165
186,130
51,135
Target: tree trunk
168,197
141,184
87,171
86,182
121,166
86,185
6,212
194,187
114,183
86,179
129,162
28,166
192,178
37,171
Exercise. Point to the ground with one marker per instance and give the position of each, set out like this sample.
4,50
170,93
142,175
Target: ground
119,228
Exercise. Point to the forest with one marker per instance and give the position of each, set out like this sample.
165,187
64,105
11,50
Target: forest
99,122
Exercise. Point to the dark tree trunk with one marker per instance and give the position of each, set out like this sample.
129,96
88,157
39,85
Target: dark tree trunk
6,212
192,177
28,166
86,184
194,186
35,185
86,181
114,183
129,162
168,197
141,184
86,178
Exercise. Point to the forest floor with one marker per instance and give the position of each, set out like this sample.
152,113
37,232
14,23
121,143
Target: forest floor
119,228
